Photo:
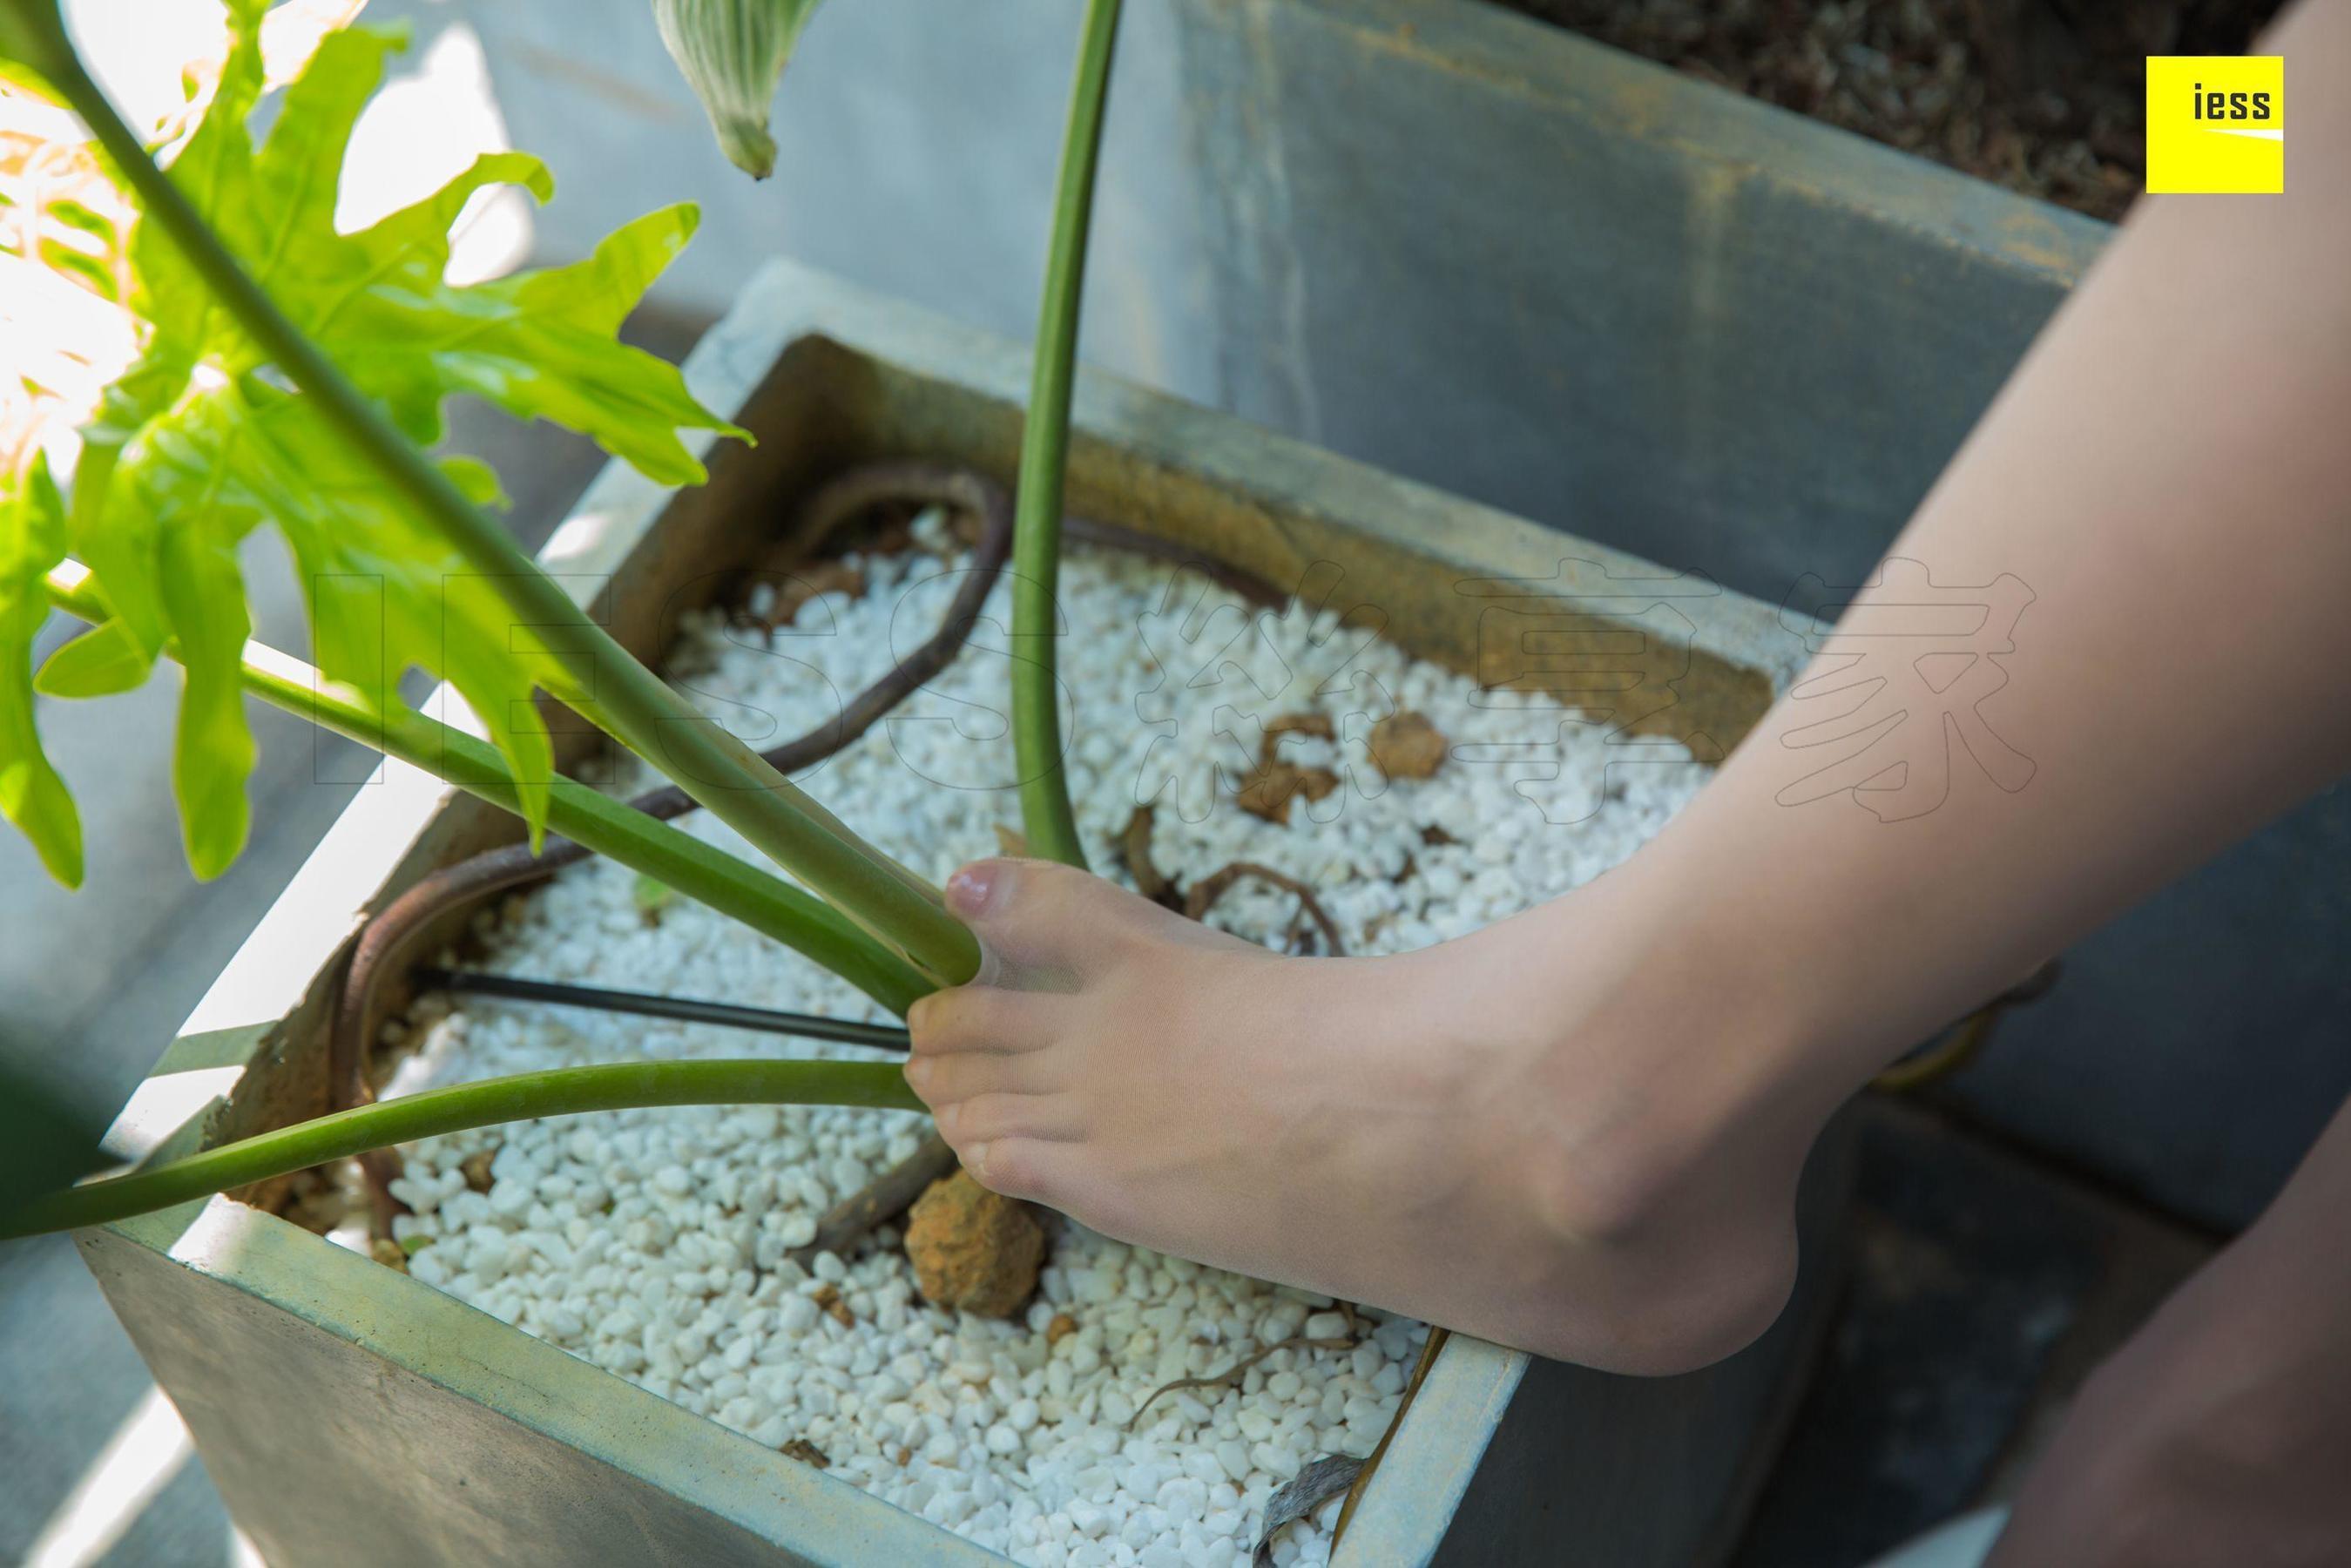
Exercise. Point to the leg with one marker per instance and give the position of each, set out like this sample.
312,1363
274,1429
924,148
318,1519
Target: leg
2222,1432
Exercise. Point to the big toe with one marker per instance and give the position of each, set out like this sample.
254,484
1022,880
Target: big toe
1042,924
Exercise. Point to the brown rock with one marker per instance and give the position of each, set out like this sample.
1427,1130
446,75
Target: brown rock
476,1169
1063,1326
1406,746
1274,786
973,1251
806,1453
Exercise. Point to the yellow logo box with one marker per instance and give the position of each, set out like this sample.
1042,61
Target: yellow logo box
2216,124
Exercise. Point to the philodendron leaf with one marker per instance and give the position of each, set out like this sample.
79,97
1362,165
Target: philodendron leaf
99,663
201,441
32,796
733,52
213,752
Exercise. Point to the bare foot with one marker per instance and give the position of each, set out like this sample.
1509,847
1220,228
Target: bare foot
1503,1134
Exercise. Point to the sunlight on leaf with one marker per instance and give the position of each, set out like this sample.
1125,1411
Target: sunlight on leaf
32,796
101,663
200,441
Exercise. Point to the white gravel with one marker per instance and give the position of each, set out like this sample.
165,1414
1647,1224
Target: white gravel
651,1243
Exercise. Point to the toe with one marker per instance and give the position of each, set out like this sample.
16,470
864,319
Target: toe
987,1019
1034,1169
1044,924
943,1081
998,1114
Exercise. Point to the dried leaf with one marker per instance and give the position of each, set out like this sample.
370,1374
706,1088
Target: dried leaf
1270,791
1317,726
1316,1483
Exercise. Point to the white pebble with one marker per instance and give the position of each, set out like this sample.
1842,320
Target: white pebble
652,1243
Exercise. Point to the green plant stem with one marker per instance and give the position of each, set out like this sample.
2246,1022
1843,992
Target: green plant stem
672,856
1050,826
631,702
561,1091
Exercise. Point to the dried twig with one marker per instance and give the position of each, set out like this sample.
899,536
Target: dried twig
1149,879
879,1201
1429,1350
1231,1375
1212,887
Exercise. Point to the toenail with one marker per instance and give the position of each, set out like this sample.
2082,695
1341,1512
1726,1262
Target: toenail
971,890
918,1071
975,1160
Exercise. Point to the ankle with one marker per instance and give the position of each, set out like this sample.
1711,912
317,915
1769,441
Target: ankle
1685,1050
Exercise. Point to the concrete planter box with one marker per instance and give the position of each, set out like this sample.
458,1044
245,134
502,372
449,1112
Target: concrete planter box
351,1414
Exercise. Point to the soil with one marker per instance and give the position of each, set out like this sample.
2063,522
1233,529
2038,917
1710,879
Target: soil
2044,97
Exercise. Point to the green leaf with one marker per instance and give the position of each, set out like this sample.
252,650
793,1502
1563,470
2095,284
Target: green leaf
213,754
101,663
200,441
541,345
32,795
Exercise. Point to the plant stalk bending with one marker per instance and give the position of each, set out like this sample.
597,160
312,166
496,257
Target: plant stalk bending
1045,815
561,1091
